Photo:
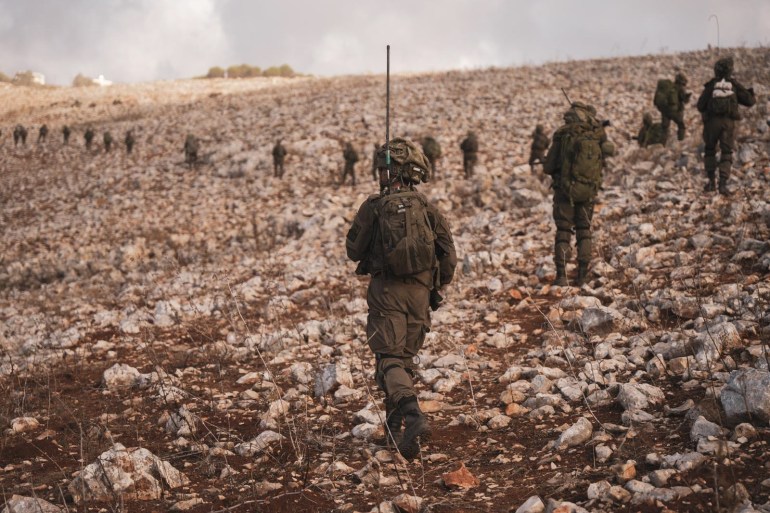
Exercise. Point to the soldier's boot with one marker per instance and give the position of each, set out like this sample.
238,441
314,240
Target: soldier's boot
582,276
680,133
394,420
561,276
417,427
725,166
710,163
723,190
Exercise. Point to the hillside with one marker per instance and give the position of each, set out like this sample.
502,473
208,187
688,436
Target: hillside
211,317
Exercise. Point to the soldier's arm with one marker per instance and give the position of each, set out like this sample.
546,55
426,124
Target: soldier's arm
552,164
703,99
360,233
445,246
745,96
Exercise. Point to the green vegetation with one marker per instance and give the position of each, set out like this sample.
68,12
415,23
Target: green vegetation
248,71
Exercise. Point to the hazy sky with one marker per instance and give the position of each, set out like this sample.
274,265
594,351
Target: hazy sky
141,40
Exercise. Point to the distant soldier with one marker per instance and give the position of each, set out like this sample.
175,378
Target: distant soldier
670,98
470,147
42,134
107,139
65,131
432,149
540,143
651,133
375,172
718,103
575,161
351,157
17,131
191,150
279,154
129,141
89,137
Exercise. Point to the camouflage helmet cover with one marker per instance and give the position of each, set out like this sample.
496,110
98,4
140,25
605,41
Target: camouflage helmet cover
647,118
723,68
680,79
408,160
579,112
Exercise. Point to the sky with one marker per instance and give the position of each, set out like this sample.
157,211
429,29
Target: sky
147,40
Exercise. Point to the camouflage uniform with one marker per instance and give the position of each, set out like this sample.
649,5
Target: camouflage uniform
432,150
191,150
570,216
540,143
129,141
42,134
89,137
66,133
399,314
351,157
719,127
680,82
279,154
107,139
470,147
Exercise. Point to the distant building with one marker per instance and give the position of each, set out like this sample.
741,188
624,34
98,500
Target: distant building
101,81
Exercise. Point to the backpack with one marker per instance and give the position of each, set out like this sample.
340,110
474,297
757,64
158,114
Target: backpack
408,240
723,101
582,161
666,97
431,148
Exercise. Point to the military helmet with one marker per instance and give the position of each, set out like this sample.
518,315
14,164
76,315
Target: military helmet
579,112
723,67
647,118
680,79
408,162
539,129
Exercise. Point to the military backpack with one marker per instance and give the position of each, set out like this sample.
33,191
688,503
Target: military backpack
666,97
581,161
408,241
723,101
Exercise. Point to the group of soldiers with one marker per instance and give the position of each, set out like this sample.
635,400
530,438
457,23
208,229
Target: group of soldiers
20,136
430,148
405,245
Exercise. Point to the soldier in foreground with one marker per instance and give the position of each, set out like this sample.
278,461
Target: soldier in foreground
65,131
129,141
279,154
405,245
107,140
670,99
42,134
432,150
351,157
89,137
191,150
470,148
575,161
540,143
718,104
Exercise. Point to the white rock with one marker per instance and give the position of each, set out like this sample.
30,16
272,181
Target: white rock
532,505
121,376
576,434
20,504
260,443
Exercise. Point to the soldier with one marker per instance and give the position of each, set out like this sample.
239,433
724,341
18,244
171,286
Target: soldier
375,172
432,150
42,134
540,143
575,161
670,98
279,154
407,266
89,137
129,141
19,135
718,104
107,139
470,147
351,157
651,133
191,150
66,133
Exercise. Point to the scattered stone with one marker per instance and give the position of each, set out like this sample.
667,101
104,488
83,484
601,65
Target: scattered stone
460,477
574,435
20,504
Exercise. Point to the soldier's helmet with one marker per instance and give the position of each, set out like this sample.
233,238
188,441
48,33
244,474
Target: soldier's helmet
408,162
723,68
680,79
579,112
647,118
539,129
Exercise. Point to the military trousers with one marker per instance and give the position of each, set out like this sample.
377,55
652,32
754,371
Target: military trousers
469,161
718,131
349,170
570,218
399,318
678,118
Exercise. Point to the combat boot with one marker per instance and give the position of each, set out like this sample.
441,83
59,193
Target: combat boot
711,186
723,189
393,421
561,277
416,427
582,276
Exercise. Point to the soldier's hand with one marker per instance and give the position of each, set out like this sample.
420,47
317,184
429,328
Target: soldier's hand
435,300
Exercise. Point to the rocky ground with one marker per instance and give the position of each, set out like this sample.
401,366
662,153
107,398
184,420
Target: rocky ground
193,339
